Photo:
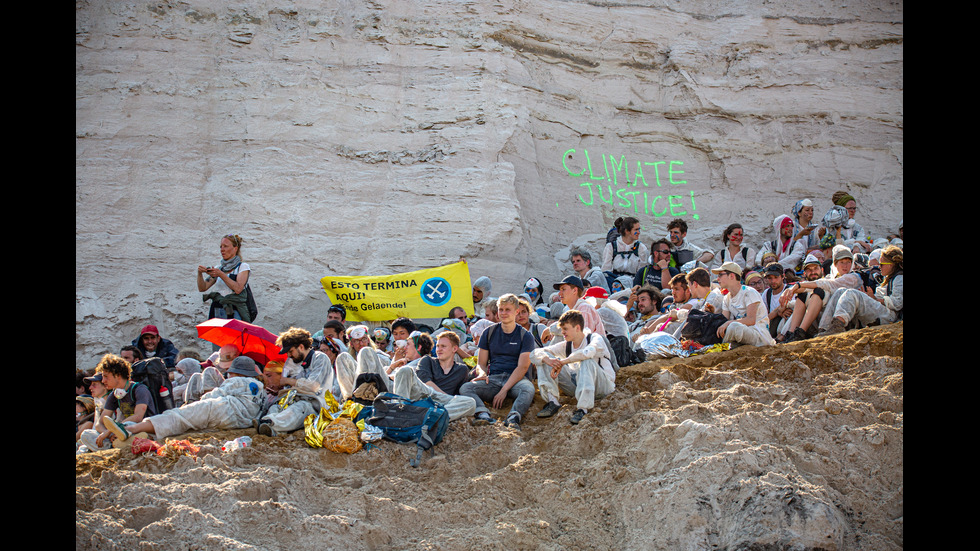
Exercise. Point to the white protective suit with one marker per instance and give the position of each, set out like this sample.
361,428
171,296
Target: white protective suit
233,405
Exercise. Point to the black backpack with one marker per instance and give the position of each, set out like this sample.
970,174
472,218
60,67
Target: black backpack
253,310
153,373
702,327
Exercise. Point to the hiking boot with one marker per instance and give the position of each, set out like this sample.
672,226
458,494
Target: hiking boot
577,416
800,335
549,409
116,428
836,326
513,421
482,418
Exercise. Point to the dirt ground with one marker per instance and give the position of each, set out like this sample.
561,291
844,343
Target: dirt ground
796,446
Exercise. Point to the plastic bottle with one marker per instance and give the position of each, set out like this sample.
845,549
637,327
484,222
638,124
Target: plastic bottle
240,442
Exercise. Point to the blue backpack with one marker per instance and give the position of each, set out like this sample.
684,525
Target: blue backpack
420,422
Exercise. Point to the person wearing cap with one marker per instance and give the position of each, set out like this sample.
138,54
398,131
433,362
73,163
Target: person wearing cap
309,373
571,293
233,405
152,345
91,430
789,252
866,306
579,366
222,358
748,319
502,364
581,261
806,302
778,313
841,277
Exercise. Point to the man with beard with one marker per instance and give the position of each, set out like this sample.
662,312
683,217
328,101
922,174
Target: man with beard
789,252
311,376
807,306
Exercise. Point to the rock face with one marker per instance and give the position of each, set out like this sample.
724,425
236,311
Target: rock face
366,138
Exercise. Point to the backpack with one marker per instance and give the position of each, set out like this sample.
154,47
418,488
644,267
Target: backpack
253,310
371,378
612,356
420,422
702,327
153,373
745,254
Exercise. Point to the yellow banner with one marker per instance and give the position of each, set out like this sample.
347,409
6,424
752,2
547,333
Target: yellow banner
429,293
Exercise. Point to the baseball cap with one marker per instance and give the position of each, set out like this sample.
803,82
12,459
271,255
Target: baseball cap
574,281
151,329
729,267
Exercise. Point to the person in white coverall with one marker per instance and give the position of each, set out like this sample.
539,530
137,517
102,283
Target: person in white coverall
310,373
233,405
586,372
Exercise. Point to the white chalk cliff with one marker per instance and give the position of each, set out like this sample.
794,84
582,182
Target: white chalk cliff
346,138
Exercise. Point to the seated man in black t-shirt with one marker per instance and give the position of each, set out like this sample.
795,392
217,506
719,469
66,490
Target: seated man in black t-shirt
658,272
503,361
133,400
439,379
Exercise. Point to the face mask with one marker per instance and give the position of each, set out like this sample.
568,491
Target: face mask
119,393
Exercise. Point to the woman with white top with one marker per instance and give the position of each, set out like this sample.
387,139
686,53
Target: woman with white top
226,282
626,254
734,250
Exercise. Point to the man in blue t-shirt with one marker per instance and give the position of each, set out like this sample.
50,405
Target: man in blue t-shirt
503,361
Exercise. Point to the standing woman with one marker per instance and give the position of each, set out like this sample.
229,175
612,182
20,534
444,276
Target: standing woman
626,254
734,250
226,282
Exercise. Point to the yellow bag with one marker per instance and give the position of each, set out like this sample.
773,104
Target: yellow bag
313,427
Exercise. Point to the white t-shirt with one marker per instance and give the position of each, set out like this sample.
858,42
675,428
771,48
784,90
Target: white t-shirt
219,285
736,307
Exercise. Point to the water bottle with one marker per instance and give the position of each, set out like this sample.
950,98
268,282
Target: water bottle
240,442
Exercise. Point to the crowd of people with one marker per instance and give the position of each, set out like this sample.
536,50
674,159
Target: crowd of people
561,338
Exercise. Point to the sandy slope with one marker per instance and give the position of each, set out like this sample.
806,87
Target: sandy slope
797,446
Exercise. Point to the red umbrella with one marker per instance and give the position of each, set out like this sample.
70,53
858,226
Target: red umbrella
253,341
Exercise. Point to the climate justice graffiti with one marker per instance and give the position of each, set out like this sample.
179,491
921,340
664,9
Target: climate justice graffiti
643,187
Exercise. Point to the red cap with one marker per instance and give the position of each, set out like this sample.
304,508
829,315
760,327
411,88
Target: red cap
152,329
597,292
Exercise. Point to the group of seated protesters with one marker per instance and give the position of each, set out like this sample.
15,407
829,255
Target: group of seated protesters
811,280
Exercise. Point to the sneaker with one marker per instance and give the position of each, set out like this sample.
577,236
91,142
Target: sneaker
266,429
836,326
482,418
116,428
577,416
800,335
513,421
549,409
